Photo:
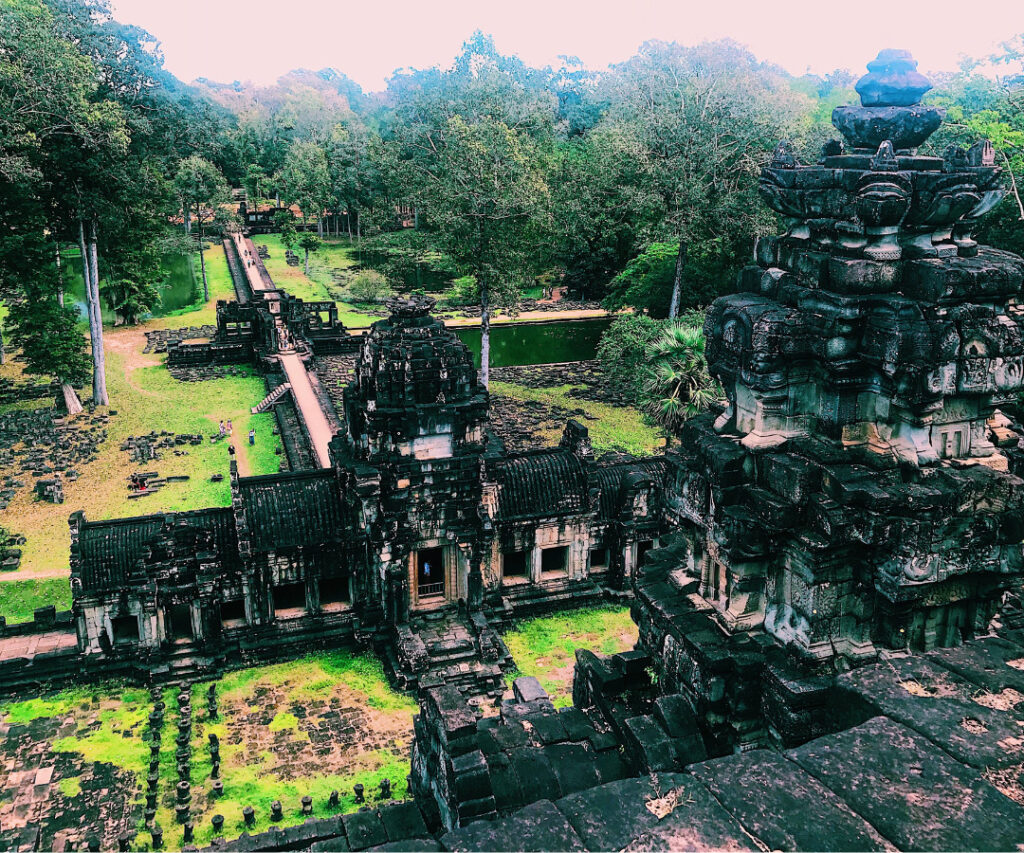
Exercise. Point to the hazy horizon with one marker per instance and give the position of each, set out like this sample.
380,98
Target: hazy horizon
255,42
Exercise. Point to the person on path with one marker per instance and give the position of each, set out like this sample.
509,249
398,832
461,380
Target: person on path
223,429
231,429
252,436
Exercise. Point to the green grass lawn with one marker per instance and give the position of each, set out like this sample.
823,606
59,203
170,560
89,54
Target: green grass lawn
264,730
335,253
617,428
545,647
146,398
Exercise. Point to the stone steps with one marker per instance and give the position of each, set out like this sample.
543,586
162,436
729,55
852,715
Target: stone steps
448,648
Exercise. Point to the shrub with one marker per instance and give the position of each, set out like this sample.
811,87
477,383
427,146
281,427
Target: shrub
623,353
369,286
464,291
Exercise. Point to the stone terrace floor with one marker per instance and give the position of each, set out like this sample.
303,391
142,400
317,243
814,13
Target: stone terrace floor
934,763
33,644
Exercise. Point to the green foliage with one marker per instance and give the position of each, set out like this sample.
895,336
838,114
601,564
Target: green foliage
545,647
285,224
50,339
677,385
309,242
305,179
471,147
463,291
369,286
623,353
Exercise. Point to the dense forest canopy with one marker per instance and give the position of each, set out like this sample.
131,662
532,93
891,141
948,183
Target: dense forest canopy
635,186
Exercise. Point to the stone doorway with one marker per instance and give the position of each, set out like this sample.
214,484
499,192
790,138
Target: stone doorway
430,572
178,623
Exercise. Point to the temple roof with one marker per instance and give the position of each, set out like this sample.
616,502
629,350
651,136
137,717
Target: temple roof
110,549
288,510
611,478
540,483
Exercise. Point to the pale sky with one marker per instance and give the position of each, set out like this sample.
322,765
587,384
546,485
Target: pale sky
259,40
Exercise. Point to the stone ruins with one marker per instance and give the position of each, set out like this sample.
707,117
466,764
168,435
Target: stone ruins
826,573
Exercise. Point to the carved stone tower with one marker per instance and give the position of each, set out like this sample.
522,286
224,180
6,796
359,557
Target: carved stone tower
416,420
861,488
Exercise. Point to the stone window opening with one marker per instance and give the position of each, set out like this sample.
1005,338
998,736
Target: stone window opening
232,613
430,573
125,629
515,567
554,561
599,559
335,593
289,600
178,622
642,547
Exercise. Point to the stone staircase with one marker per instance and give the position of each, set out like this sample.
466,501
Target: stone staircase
446,647
271,398
186,662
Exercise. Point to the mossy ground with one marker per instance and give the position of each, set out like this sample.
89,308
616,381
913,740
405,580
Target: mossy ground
545,647
311,726
336,253
612,428
146,397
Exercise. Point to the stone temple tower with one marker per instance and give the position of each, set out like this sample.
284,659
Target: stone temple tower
410,463
862,488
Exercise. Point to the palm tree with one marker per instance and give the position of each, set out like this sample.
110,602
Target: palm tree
678,385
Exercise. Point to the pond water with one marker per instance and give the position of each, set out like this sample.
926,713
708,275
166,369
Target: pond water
180,287
404,271
538,343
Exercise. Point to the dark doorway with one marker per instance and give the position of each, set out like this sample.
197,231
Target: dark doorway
554,561
642,548
430,573
232,613
598,559
289,600
514,565
178,618
334,593
126,629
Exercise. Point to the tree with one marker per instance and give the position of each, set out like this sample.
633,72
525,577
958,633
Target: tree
284,222
309,242
649,280
706,118
677,384
306,181
203,193
470,147
59,133
47,331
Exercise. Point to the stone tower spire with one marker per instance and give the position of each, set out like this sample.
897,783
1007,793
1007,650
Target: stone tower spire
861,488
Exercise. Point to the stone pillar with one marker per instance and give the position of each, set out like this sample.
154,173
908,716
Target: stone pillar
535,564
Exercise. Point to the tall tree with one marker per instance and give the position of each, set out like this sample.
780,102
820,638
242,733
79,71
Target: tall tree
707,118
203,193
471,148
306,181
